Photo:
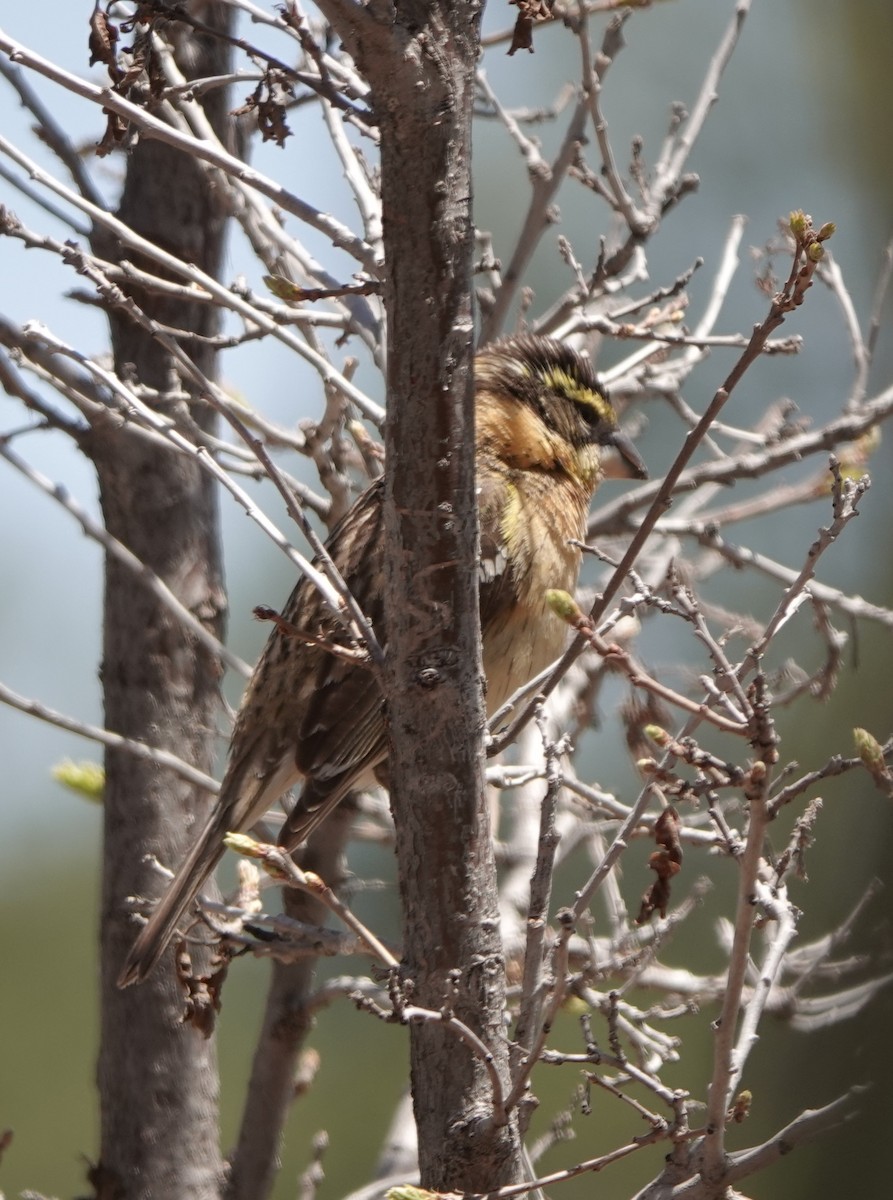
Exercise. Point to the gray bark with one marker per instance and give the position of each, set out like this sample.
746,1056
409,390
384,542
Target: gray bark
158,1078
286,1025
420,60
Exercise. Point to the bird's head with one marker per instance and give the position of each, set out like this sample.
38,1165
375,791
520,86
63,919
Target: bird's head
540,406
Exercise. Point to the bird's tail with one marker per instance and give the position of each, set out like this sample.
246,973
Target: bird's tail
155,936
245,795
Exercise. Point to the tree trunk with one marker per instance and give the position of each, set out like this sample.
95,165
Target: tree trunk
157,1078
421,69
288,1020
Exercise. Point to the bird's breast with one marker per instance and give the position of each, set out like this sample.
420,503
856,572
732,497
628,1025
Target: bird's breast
526,636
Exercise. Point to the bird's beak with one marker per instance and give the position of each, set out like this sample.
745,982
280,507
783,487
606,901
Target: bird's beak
629,454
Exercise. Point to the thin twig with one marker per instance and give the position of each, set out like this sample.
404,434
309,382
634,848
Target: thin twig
288,872
107,98
128,559
114,740
662,500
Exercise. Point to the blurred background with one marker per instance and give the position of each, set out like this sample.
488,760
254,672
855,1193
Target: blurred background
802,121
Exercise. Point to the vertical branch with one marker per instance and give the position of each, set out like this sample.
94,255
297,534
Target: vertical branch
157,1079
533,985
726,1057
287,1021
420,61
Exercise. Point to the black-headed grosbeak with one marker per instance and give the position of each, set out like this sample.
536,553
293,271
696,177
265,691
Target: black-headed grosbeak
541,419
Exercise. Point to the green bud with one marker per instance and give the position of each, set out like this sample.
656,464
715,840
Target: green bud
871,753
815,252
659,736
87,779
242,844
283,289
827,230
406,1191
563,605
869,750
799,222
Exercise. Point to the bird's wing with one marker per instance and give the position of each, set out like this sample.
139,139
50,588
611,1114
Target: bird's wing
342,730
497,586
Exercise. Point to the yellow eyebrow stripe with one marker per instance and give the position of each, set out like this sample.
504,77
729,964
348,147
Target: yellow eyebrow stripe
562,381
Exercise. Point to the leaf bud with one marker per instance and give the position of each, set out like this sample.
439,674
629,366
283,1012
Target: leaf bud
563,605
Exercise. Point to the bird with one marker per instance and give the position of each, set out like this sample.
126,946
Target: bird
315,716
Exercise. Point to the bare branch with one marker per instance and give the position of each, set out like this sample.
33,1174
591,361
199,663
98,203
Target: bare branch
148,577
107,98
107,738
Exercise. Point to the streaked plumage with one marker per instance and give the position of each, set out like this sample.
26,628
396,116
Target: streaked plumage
541,421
